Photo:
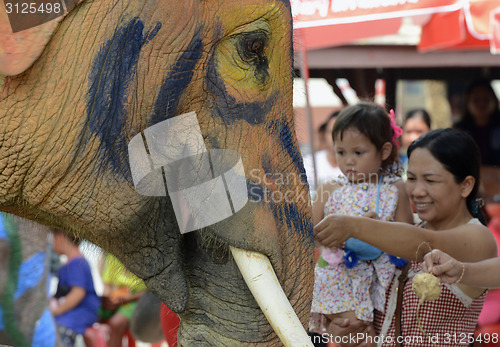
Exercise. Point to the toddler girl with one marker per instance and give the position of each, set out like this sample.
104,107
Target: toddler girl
352,282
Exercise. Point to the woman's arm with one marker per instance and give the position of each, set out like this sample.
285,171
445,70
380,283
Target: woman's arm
484,274
403,210
468,242
71,300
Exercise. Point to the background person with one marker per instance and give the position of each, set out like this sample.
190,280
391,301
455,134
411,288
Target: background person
121,291
416,123
75,303
326,162
443,181
481,120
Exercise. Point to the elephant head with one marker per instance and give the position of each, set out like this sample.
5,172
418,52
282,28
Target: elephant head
111,70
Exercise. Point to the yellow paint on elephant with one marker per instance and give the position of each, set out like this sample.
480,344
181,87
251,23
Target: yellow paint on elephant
243,79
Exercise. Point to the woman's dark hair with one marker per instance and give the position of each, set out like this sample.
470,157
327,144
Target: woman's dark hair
459,154
420,113
372,121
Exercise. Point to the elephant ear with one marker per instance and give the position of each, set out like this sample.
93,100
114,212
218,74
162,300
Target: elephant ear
20,49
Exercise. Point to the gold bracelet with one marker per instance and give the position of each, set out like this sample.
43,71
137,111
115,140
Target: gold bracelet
418,248
462,275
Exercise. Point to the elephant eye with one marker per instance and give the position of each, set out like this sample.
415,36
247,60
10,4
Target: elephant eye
254,46
251,49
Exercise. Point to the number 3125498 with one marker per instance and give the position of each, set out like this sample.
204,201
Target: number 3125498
33,8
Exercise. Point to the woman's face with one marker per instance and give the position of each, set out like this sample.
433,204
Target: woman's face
412,130
438,199
481,105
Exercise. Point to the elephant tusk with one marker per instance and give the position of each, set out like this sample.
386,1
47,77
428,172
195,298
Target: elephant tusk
261,279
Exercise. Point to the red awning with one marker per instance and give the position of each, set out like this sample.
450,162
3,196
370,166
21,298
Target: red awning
454,24
474,26
326,23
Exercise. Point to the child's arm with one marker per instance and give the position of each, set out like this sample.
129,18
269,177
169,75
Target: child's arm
403,210
71,300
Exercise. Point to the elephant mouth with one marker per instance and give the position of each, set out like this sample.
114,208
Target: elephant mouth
171,156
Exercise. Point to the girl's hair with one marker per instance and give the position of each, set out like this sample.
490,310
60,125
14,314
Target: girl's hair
421,113
372,121
459,155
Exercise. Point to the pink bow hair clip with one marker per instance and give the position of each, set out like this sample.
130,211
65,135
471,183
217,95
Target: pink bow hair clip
397,129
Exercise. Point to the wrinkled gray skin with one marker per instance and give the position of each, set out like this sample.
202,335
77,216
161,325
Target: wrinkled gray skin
114,68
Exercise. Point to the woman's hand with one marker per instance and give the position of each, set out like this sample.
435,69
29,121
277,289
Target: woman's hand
332,231
443,266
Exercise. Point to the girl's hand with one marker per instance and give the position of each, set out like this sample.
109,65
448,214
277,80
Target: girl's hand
443,266
331,231
371,214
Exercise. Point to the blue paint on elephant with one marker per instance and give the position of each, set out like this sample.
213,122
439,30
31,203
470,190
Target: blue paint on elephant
285,212
255,192
113,70
30,273
45,331
177,81
282,128
2,326
288,213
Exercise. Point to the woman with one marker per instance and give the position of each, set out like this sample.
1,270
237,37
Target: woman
443,180
481,120
416,123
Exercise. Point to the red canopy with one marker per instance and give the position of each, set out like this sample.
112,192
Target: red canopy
474,26
454,24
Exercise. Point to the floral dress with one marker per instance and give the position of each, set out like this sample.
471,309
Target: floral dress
343,285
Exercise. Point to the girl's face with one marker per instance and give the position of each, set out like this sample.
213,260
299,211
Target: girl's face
412,130
438,199
358,158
